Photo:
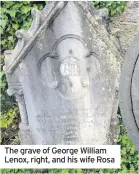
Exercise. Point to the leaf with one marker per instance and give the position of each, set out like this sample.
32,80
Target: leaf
16,6
1,30
1,74
26,25
35,6
3,42
10,38
15,26
25,9
8,4
11,13
3,23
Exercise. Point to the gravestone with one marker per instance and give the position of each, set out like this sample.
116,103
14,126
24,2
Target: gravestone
64,72
129,92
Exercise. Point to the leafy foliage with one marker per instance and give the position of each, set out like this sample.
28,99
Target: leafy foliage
9,126
114,7
16,15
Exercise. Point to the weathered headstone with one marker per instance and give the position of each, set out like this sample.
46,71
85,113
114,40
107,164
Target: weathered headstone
64,73
129,92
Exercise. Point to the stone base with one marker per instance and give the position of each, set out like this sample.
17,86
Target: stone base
24,134
114,130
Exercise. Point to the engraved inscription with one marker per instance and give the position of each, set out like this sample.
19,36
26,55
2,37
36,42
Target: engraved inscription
67,124
70,67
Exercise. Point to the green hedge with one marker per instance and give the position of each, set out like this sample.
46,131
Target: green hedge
16,15
114,7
